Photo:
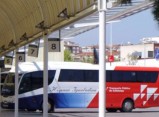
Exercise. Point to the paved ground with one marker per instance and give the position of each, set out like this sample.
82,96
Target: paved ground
151,112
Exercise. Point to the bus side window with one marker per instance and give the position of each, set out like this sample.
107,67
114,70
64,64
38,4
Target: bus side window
91,75
147,76
153,77
108,76
120,76
71,75
117,76
129,76
37,80
65,75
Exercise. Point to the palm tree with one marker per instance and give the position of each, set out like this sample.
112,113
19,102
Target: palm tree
155,10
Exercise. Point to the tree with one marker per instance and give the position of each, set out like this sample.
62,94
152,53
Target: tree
132,59
126,2
67,55
88,60
155,10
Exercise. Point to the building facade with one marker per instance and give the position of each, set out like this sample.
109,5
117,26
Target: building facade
141,51
72,47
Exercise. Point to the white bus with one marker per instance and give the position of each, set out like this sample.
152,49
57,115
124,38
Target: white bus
71,85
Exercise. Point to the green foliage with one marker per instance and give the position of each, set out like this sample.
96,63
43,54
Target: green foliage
126,2
88,60
116,59
132,59
67,56
155,10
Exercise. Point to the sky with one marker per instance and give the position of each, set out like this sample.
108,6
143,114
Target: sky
130,29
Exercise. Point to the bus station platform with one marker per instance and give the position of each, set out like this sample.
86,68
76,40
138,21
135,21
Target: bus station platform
149,112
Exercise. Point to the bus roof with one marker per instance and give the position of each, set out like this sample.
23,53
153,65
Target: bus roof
35,66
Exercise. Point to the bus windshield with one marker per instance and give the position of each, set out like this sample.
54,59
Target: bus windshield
3,76
9,86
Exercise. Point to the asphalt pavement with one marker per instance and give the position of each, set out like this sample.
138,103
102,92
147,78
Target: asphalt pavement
150,112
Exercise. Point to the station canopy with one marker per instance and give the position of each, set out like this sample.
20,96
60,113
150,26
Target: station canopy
23,21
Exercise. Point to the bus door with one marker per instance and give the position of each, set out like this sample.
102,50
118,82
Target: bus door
29,90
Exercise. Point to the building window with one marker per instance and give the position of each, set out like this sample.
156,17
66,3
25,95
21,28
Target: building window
150,54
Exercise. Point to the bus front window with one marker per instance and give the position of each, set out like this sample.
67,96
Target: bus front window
3,77
9,86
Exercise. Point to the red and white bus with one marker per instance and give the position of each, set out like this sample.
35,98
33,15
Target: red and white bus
132,87
75,85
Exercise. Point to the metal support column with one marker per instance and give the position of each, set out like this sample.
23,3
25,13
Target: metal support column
45,76
0,90
102,63
16,113
111,39
144,54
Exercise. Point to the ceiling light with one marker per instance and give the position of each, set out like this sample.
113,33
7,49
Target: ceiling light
64,14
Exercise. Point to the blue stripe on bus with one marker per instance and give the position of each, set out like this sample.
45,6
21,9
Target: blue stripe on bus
61,100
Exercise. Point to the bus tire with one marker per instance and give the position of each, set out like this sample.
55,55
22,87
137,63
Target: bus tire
111,109
127,105
50,106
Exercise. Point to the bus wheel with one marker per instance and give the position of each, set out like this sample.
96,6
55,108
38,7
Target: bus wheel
50,106
127,106
111,109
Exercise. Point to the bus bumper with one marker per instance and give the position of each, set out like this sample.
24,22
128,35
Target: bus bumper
7,105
